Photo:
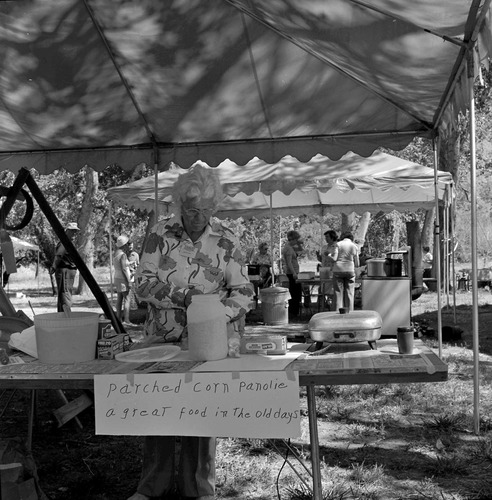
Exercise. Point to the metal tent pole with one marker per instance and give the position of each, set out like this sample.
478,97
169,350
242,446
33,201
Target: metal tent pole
446,253
39,271
474,260
453,246
156,183
272,256
437,250
110,246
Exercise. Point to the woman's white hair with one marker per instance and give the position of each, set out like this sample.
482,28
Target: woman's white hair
199,183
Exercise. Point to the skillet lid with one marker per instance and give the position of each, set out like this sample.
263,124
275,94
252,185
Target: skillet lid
348,321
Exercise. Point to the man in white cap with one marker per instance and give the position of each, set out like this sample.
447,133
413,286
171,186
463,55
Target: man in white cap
65,270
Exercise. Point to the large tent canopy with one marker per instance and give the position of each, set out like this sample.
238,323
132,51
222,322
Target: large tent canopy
94,82
319,186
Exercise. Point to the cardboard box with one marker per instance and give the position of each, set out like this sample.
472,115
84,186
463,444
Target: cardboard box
105,329
108,348
267,344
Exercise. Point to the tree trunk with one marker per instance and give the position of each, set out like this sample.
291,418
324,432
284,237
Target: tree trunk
427,235
449,155
85,242
395,241
415,243
448,162
348,222
150,224
360,234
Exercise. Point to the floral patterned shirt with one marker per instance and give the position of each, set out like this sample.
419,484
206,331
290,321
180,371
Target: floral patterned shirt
172,264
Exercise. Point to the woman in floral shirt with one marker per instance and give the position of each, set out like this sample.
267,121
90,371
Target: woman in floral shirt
185,255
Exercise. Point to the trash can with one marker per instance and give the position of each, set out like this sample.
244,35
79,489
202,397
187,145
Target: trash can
275,305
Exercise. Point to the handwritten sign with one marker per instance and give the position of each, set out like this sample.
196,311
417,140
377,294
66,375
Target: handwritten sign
245,404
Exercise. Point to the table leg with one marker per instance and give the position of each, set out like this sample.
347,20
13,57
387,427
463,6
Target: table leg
30,421
313,438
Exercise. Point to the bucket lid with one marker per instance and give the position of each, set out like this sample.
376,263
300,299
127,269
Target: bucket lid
273,290
405,329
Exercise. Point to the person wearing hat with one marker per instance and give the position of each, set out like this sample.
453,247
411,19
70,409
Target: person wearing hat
122,279
64,269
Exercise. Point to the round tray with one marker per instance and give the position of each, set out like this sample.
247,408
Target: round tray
149,354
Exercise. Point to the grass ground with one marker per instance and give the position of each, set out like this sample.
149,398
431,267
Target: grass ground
384,442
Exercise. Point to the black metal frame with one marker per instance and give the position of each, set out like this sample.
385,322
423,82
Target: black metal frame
24,177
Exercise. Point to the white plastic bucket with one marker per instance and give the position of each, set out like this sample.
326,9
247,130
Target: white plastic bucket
62,339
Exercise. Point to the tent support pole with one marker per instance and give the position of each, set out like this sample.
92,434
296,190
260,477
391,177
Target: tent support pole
272,256
446,253
156,183
39,270
437,249
453,247
279,246
474,260
110,246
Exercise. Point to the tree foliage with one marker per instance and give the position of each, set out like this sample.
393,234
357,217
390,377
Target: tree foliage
70,199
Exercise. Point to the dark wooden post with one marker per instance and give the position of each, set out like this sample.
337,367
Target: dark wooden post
414,240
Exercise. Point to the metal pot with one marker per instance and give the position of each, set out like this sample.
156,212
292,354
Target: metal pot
376,267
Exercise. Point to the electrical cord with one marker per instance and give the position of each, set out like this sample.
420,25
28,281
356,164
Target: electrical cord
280,471
292,450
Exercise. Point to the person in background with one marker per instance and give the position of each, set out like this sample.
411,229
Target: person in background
290,264
344,272
64,269
188,254
328,253
327,257
364,256
133,258
265,276
122,279
133,262
427,259
262,256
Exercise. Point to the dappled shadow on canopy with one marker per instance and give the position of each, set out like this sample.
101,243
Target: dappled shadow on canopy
99,83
